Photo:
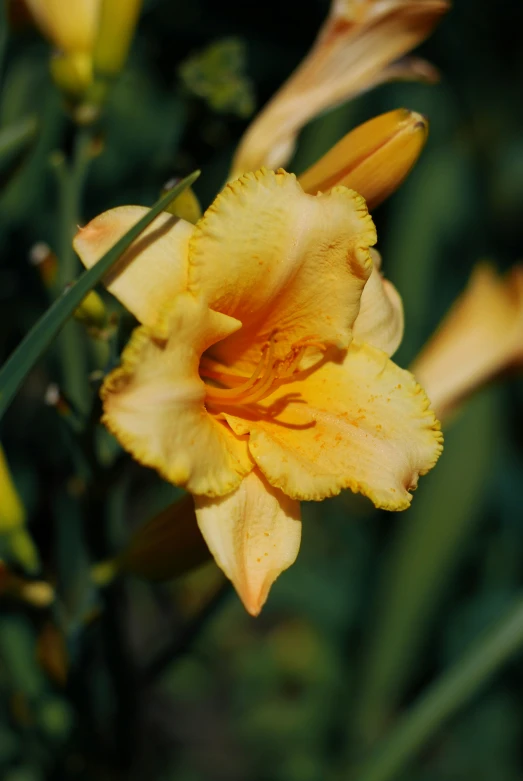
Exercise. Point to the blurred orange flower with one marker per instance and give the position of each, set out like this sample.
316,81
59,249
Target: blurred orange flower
359,46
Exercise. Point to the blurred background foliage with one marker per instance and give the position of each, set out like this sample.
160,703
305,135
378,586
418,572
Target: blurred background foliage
173,681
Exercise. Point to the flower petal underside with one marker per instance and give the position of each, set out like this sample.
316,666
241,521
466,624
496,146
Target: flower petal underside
152,272
380,320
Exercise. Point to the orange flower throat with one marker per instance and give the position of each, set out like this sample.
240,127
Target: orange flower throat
268,375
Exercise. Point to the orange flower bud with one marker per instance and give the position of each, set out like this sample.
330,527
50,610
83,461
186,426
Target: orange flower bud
168,545
372,159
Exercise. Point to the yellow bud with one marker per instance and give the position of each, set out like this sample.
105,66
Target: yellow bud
91,39
116,25
38,593
372,159
24,550
12,513
186,205
91,311
168,545
70,26
12,521
72,73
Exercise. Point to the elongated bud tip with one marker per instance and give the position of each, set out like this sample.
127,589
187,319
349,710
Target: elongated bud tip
372,159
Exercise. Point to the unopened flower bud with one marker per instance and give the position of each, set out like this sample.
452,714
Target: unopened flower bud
12,521
372,159
186,205
72,73
12,513
116,23
92,311
168,545
91,40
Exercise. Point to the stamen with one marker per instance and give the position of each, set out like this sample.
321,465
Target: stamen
267,376
213,370
263,372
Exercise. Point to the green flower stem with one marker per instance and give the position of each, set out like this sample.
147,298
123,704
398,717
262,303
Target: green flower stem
71,342
453,690
71,181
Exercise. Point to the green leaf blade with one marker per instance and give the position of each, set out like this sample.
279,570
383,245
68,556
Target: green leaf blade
44,331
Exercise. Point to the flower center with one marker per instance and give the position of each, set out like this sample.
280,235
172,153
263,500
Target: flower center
268,375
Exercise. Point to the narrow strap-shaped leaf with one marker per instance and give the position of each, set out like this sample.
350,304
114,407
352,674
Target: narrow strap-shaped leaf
420,563
42,334
451,691
14,138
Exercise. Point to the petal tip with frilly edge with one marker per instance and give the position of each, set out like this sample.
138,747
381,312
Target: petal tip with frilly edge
254,534
361,423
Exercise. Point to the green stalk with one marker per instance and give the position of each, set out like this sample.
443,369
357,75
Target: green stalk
71,342
71,180
452,691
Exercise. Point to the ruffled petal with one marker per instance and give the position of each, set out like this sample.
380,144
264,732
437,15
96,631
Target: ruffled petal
362,424
282,262
380,320
354,50
154,404
253,533
152,272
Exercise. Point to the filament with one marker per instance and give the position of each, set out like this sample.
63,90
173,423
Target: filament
267,376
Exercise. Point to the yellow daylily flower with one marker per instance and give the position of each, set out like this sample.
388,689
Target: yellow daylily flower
260,375
359,46
90,36
481,336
